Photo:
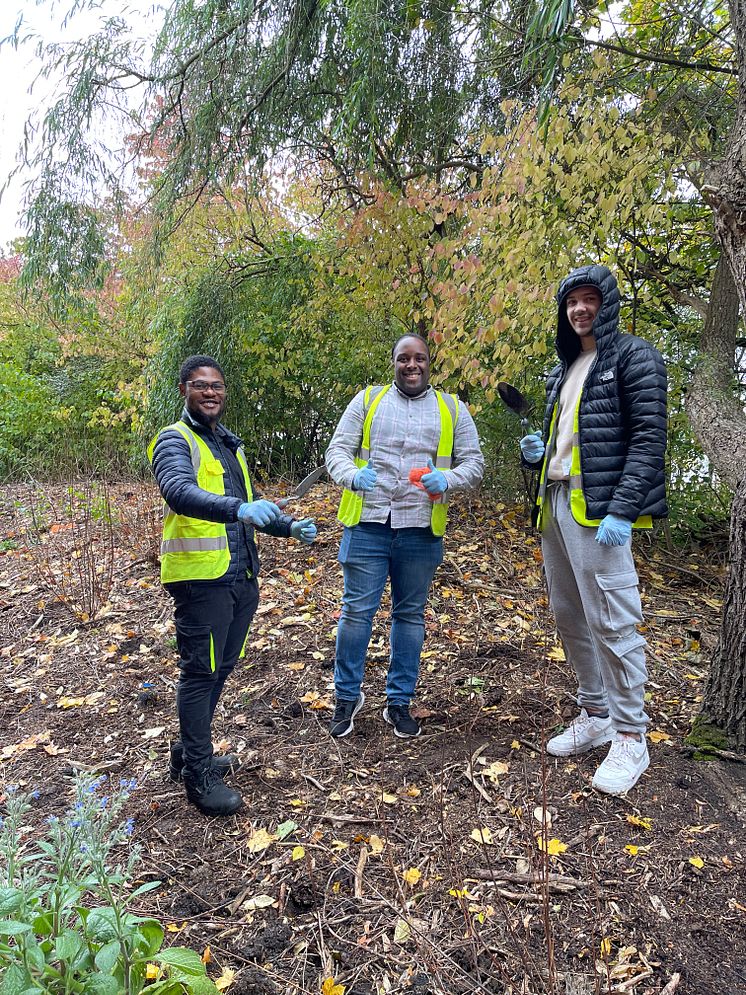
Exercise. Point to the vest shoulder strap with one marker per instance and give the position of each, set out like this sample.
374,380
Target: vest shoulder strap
452,403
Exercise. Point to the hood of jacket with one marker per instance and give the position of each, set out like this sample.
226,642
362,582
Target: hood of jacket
606,322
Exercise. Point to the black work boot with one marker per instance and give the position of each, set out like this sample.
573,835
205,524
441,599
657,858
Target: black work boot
207,791
223,764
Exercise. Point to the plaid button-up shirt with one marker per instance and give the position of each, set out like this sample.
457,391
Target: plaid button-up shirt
404,434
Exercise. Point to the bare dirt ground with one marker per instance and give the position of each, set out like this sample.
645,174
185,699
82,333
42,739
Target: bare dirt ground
463,861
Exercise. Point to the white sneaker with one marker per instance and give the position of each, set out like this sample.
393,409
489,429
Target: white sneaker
627,759
583,733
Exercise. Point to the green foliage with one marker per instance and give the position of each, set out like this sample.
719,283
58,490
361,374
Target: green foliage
292,351
64,921
52,399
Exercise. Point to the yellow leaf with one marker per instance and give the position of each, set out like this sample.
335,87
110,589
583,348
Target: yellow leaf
152,971
657,736
376,845
412,876
515,745
482,835
636,820
390,799
259,841
632,849
296,666
225,980
206,956
557,653
413,792
173,928
554,847
697,862
298,853
495,770
605,947
330,987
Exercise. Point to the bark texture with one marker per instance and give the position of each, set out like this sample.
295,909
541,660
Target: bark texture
724,701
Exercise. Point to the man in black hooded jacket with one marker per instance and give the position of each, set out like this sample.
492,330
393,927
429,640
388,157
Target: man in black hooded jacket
601,457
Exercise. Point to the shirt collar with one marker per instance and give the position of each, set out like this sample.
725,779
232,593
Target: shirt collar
413,397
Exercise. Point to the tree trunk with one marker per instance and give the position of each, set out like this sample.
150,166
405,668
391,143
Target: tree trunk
724,702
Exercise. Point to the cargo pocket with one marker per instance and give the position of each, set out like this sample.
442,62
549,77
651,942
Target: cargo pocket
620,614
620,600
196,649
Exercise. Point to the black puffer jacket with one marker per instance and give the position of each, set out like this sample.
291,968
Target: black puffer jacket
622,414
177,481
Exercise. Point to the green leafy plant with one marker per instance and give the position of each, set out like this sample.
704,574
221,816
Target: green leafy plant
65,924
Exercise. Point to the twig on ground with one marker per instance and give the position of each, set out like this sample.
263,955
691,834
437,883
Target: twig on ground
359,872
672,985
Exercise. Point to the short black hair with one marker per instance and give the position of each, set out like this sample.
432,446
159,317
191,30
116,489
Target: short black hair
192,363
410,335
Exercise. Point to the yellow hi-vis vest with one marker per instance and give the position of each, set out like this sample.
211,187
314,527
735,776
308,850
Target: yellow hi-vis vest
578,506
192,548
351,505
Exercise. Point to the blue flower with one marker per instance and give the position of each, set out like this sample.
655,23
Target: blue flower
129,826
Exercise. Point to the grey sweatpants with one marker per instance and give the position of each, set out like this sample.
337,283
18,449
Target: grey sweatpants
593,591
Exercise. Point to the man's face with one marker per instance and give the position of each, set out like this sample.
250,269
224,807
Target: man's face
411,366
204,399
581,306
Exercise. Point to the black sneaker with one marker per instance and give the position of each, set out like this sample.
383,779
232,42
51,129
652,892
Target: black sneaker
405,727
207,791
344,713
222,764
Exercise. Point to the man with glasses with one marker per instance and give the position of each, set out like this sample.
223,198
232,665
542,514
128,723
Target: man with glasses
209,566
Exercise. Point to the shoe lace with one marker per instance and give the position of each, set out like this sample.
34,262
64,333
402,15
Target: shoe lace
621,752
209,778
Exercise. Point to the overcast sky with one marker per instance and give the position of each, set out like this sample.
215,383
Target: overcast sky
18,70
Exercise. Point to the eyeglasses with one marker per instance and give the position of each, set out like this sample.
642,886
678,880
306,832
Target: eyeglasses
217,386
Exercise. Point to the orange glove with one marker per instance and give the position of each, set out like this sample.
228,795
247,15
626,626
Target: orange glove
414,477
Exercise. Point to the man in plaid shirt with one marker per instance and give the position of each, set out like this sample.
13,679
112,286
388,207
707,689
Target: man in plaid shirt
394,527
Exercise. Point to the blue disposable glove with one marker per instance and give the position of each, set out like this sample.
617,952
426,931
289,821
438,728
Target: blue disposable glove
365,479
260,513
434,482
532,448
614,531
304,531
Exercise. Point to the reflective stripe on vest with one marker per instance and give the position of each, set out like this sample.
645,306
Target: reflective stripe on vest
192,548
351,505
578,506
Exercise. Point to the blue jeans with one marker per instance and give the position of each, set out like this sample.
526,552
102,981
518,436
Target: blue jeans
369,553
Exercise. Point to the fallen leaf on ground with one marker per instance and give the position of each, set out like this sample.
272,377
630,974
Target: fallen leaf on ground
412,876
554,847
260,840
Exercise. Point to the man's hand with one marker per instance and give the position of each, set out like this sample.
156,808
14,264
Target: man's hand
614,531
532,447
434,482
260,513
304,531
365,479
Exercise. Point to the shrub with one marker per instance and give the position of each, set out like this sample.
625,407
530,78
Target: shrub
65,924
